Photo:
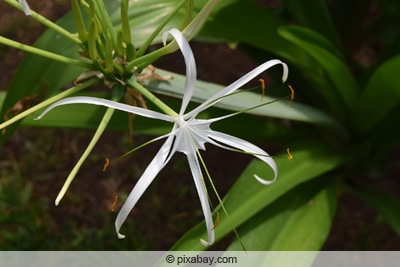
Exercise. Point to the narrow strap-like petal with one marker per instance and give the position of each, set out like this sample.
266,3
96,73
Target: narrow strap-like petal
155,166
191,72
247,147
205,205
108,103
238,84
25,7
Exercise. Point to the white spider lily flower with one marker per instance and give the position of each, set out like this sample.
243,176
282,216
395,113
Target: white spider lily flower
25,7
188,134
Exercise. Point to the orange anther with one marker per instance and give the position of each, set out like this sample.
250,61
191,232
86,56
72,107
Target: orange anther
106,164
114,204
289,156
262,86
216,221
291,95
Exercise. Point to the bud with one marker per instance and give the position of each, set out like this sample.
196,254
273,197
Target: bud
78,19
126,29
92,38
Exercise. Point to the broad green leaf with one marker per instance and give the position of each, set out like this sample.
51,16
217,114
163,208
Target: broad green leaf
247,197
252,24
299,220
336,71
385,136
242,101
88,117
314,15
69,117
144,17
302,35
386,205
381,95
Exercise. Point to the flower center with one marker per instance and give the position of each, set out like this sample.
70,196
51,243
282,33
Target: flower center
191,135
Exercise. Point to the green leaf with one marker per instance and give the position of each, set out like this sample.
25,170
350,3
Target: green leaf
144,17
314,15
299,220
385,136
86,116
245,100
247,197
381,95
249,23
335,70
386,205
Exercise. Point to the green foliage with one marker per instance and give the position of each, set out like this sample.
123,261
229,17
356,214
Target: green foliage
348,100
309,165
18,214
299,219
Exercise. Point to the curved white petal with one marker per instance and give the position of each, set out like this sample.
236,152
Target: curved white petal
108,103
25,7
248,148
201,190
238,84
191,74
155,166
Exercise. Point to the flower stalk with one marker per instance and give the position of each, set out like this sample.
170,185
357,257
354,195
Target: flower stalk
99,131
151,97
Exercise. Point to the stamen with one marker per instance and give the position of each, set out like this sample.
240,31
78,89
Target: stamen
216,221
291,95
114,204
106,164
289,156
262,87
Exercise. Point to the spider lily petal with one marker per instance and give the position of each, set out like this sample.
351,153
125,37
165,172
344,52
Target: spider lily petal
191,72
107,103
155,166
238,84
25,7
246,147
198,181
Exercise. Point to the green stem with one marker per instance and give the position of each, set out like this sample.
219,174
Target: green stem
49,24
43,53
149,40
156,101
144,61
48,102
102,126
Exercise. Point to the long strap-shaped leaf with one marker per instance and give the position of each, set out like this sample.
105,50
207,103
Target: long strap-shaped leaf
246,197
